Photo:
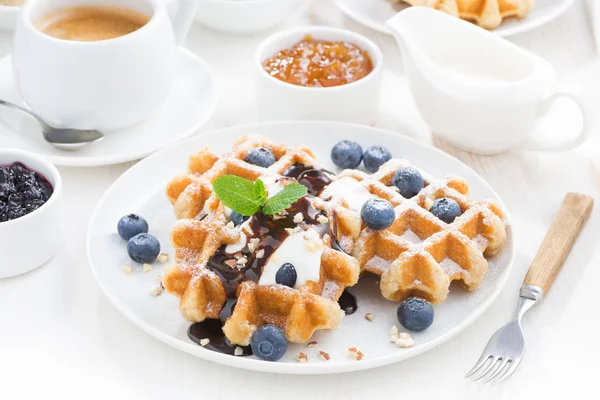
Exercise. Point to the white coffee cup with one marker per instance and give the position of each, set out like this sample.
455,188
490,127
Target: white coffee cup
477,90
108,84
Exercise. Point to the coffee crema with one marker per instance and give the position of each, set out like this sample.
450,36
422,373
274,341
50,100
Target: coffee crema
91,23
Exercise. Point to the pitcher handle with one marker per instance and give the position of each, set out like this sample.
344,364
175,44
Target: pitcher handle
587,115
183,20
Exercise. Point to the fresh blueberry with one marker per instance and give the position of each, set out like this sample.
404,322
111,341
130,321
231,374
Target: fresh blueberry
237,219
286,275
143,248
269,343
409,181
445,209
347,154
261,157
130,225
415,314
377,213
375,156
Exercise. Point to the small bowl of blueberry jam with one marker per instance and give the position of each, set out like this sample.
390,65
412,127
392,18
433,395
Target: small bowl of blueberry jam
30,211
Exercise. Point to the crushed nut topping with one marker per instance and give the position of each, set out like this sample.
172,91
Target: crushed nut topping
204,342
163,258
238,351
230,225
147,267
324,356
401,339
312,344
260,253
428,203
157,291
253,244
242,261
369,316
298,218
322,219
301,357
127,269
232,263
355,353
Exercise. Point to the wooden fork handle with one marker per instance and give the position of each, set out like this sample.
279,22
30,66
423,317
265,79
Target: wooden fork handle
573,214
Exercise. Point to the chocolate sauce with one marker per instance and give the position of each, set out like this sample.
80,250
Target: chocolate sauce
212,329
315,179
347,302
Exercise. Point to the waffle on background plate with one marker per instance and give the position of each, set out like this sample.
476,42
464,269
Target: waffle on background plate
488,14
216,261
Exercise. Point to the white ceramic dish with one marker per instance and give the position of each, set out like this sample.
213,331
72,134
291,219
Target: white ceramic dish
278,100
141,190
8,18
29,241
374,13
190,104
245,16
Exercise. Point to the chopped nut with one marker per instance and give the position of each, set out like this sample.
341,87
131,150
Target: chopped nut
403,339
204,342
147,267
289,231
246,227
163,258
274,258
230,225
298,218
394,331
231,263
322,219
260,253
324,356
369,316
127,269
242,261
301,357
356,353
238,351
253,244
277,217
428,203
312,344
159,279
157,291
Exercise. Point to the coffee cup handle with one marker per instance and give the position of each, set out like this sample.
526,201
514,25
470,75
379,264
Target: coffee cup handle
183,19
545,144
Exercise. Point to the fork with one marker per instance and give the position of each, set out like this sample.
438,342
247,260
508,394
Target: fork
505,349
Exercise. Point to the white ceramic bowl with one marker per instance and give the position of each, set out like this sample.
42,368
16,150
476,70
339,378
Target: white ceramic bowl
240,17
8,18
30,241
356,102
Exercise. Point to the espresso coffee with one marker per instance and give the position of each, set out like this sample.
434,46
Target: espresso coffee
91,23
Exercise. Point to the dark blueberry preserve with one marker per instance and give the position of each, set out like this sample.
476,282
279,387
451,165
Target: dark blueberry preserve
21,191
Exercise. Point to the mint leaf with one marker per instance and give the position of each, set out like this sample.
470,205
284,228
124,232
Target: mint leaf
285,198
241,195
259,191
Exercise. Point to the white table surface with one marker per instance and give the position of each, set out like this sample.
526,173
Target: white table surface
61,338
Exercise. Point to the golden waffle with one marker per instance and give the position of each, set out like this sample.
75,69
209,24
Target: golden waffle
488,14
204,290
419,255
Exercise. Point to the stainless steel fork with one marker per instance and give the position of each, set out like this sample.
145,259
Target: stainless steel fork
505,349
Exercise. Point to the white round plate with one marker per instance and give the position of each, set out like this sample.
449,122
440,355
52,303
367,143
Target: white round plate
374,13
190,104
142,190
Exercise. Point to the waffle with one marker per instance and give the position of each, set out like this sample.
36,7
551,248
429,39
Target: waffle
203,228
488,14
419,255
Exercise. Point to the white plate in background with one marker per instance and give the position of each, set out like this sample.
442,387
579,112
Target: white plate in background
141,189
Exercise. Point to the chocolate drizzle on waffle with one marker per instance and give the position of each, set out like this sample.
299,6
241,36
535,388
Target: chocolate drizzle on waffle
315,179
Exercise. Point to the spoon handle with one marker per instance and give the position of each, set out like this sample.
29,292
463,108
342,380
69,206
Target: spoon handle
23,110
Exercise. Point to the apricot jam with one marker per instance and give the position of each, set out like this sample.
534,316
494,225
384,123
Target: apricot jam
319,63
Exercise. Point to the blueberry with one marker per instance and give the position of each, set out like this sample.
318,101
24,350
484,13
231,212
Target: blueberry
445,209
237,219
375,156
286,275
143,248
409,181
269,343
261,157
415,314
377,213
347,154
130,225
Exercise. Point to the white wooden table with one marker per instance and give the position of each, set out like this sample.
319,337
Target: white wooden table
61,338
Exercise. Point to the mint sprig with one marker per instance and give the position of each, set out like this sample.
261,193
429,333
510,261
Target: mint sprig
247,198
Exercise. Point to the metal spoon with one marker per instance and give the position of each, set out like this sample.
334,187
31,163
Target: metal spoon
61,138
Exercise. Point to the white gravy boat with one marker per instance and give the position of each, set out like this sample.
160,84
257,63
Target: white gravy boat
478,91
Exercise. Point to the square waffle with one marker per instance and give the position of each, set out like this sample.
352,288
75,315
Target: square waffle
419,255
205,276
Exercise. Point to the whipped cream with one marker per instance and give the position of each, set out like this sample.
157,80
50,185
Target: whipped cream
238,246
348,189
301,249
271,185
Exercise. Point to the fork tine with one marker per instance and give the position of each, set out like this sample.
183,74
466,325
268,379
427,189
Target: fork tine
508,372
478,364
501,366
488,368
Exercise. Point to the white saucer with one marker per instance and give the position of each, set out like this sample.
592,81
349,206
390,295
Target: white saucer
141,189
374,13
190,104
